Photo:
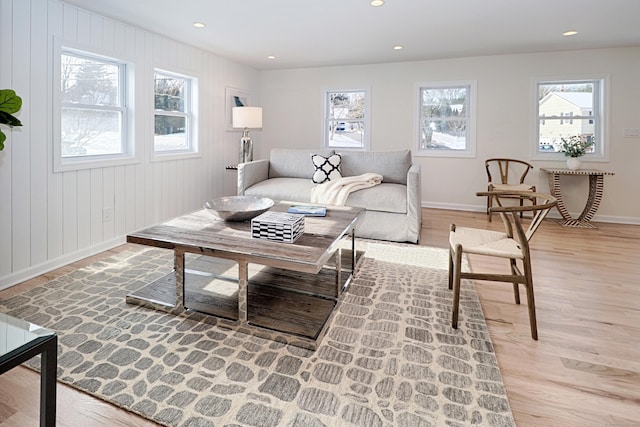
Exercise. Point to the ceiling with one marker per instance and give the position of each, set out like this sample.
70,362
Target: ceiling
305,33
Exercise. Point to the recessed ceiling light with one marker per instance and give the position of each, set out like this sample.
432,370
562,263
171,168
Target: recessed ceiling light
199,25
376,3
271,57
398,47
570,33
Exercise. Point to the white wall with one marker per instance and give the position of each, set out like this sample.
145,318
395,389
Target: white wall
292,105
49,219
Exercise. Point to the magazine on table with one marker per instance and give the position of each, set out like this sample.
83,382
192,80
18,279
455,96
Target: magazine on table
308,210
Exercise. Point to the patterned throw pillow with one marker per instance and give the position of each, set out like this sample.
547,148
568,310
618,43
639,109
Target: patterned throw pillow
327,168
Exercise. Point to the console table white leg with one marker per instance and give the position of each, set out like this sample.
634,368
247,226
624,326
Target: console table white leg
554,186
596,188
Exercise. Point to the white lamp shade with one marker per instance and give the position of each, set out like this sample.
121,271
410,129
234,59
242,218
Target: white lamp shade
246,117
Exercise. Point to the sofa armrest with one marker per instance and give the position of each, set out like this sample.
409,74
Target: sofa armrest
251,173
414,201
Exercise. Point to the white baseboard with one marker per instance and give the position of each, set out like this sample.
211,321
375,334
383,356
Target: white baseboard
553,214
36,270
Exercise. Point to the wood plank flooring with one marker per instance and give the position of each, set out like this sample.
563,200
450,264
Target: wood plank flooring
583,371
585,368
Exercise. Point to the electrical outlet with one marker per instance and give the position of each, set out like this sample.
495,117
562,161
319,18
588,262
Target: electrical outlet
107,214
631,133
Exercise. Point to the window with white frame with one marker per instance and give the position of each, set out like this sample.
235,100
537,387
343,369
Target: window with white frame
173,118
446,119
570,108
93,113
346,119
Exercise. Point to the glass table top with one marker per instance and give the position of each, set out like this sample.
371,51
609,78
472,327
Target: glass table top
16,334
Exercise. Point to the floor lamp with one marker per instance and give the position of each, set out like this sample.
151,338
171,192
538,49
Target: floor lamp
246,118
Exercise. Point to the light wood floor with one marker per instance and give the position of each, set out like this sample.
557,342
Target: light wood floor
583,371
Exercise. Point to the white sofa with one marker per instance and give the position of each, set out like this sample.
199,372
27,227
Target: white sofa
393,208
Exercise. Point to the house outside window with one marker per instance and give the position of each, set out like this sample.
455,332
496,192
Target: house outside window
173,117
346,123
93,118
568,108
446,119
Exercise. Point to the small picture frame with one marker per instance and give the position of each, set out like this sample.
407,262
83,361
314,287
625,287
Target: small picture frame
234,98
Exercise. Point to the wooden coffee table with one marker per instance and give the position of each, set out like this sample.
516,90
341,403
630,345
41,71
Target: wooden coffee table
286,292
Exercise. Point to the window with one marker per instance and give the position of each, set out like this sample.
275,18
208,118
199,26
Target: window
93,119
173,121
346,119
568,108
446,119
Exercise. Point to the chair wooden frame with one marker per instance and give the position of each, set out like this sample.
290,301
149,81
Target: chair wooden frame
513,245
504,166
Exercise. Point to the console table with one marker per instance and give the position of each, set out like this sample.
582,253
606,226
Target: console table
20,341
596,188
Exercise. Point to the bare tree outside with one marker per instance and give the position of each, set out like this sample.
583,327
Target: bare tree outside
444,118
91,106
171,112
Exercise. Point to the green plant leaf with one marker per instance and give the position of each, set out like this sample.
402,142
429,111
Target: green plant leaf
8,119
9,101
3,137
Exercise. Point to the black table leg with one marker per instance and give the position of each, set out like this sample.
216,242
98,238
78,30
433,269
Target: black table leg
48,371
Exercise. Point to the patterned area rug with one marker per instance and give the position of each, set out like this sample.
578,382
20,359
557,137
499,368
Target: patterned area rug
390,356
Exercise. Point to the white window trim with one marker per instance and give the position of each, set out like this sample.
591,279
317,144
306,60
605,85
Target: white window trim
602,155
367,118
470,152
132,153
193,134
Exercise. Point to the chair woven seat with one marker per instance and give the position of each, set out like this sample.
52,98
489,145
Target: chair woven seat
512,187
485,242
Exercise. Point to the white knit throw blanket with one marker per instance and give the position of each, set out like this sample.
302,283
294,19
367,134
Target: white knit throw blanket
337,191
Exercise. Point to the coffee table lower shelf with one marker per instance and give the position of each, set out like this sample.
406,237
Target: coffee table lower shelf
283,305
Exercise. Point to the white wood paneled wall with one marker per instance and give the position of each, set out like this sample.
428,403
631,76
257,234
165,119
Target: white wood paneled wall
49,219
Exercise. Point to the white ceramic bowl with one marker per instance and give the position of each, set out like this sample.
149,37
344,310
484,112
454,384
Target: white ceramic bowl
238,208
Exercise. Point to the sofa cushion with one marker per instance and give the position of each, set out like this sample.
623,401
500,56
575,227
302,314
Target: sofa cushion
327,168
392,165
278,189
290,163
381,198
